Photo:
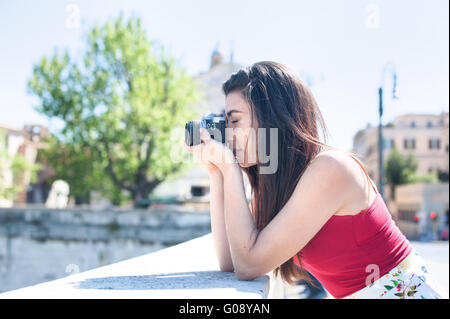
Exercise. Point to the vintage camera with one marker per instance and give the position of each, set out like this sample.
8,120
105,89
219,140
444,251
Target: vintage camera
214,123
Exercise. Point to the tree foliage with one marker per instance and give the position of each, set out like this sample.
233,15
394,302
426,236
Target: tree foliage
400,169
118,106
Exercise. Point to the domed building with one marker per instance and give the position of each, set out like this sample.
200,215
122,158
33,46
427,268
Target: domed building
193,185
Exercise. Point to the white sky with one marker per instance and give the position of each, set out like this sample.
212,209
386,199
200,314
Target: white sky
341,45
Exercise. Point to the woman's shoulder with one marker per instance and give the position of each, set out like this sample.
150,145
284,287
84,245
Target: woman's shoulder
344,162
336,153
352,179
334,156
331,164
340,157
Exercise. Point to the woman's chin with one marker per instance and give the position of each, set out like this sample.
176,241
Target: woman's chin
241,160
245,165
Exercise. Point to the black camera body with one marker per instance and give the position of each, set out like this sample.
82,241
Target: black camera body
214,123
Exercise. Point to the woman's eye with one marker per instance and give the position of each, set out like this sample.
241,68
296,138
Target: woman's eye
235,121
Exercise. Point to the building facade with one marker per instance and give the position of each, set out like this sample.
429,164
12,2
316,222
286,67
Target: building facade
193,185
422,210
426,136
25,142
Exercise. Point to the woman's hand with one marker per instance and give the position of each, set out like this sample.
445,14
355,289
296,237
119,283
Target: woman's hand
210,167
214,155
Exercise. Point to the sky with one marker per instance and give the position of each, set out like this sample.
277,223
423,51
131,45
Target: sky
340,48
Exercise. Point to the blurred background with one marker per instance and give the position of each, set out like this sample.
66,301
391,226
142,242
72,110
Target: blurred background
94,96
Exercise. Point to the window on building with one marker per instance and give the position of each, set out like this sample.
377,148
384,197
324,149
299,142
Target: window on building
406,215
429,124
388,143
446,148
409,143
434,144
197,191
413,124
36,130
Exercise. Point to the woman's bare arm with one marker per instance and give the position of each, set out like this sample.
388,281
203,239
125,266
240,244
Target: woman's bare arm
218,227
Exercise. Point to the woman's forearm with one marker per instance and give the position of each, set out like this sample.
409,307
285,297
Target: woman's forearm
241,229
218,222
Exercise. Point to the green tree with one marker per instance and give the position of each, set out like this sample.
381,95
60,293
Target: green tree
20,169
400,169
72,163
118,106
430,177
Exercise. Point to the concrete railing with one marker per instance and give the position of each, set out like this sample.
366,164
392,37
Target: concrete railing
39,245
187,270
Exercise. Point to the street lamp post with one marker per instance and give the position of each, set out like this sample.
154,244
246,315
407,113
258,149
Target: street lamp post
387,68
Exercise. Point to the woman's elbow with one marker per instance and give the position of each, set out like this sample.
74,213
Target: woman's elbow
245,275
227,269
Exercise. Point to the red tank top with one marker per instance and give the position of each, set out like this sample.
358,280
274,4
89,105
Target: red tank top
348,250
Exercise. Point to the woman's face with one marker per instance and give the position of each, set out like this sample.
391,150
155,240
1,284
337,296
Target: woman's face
239,123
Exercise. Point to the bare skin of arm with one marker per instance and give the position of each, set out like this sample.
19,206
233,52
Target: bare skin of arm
217,213
218,227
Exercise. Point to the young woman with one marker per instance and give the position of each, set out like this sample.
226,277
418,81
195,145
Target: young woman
318,211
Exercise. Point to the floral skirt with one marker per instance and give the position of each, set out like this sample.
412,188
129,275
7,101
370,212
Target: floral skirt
408,280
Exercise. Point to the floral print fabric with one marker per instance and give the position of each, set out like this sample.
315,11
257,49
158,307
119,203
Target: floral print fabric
410,279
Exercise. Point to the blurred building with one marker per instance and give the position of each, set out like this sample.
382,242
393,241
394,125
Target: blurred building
212,79
193,186
25,142
426,136
422,210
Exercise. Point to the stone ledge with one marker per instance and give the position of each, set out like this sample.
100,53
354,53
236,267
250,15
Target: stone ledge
187,270
169,225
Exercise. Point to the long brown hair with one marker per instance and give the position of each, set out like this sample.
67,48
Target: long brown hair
279,99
